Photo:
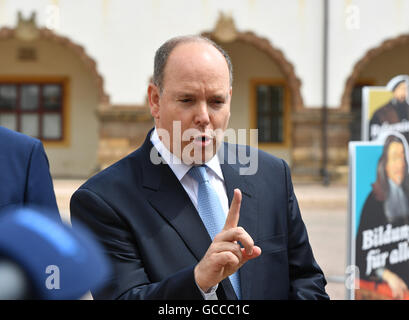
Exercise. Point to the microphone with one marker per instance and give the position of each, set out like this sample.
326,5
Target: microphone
42,258
14,284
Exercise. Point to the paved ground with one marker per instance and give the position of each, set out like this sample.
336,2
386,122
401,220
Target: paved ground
324,211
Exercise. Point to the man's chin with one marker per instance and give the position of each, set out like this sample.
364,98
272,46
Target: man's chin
198,156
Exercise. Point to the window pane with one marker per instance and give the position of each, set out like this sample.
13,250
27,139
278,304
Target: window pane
276,99
8,121
264,126
29,97
262,98
270,108
277,129
52,96
8,96
29,124
52,126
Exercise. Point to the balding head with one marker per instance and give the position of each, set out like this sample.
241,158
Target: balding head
163,53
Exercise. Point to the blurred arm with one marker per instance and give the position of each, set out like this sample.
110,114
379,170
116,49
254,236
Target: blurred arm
39,186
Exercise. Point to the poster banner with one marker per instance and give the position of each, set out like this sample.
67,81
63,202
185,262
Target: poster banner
379,217
378,239
386,108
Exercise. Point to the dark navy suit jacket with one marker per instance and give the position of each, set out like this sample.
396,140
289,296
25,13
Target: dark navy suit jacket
24,172
154,236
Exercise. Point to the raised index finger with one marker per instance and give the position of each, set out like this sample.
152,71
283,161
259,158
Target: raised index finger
234,213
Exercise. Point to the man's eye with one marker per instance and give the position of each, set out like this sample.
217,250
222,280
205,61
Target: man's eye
186,100
217,102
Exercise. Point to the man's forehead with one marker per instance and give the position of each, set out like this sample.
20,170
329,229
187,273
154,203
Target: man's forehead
217,93
195,46
193,68
401,85
187,88
194,53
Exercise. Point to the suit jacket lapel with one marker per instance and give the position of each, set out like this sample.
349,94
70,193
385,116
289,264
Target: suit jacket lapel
171,201
183,217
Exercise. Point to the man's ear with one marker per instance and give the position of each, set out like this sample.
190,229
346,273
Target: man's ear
153,98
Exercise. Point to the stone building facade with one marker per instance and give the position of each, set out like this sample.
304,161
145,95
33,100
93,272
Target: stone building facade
103,69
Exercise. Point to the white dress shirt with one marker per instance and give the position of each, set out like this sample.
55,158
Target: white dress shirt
191,186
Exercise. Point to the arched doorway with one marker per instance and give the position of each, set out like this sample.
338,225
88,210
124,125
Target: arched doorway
40,67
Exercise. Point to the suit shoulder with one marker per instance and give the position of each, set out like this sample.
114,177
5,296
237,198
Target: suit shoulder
16,136
264,156
15,140
254,159
115,174
269,157
272,163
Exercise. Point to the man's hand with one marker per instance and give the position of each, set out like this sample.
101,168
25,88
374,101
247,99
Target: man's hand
225,256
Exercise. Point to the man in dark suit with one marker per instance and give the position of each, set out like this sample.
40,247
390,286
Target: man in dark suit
151,209
24,172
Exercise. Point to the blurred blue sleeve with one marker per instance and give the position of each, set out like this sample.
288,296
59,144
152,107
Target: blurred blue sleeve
39,187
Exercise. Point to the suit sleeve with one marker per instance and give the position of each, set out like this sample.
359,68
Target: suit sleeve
39,186
129,280
307,280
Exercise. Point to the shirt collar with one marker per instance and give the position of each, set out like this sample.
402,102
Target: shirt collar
178,167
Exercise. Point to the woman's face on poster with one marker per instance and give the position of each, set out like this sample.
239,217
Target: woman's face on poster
395,164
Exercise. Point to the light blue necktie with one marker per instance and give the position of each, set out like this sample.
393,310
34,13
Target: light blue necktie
211,212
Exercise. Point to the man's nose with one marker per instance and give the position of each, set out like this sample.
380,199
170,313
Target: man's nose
202,115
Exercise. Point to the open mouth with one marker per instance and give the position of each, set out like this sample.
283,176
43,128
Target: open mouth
203,140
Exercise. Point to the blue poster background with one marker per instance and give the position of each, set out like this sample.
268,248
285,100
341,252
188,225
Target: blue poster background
366,161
